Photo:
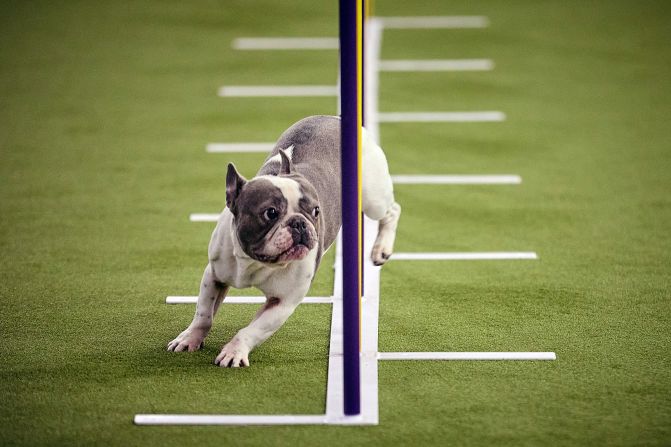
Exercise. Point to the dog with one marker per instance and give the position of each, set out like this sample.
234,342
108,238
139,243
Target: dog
276,227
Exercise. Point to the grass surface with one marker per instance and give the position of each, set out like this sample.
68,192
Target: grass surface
106,108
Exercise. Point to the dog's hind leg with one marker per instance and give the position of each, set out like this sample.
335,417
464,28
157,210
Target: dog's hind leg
378,199
210,296
386,235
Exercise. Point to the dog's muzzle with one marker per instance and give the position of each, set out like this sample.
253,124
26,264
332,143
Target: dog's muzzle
303,237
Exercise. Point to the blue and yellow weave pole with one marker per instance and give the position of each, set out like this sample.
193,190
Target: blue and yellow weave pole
351,106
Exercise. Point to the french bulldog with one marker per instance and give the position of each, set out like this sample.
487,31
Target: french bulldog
276,227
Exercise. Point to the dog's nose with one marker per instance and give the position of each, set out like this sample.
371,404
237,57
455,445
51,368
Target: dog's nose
299,224
300,231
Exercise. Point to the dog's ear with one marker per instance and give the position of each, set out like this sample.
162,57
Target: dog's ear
287,165
234,184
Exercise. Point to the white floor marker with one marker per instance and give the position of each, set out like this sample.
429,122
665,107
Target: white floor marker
454,22
277,90
467,256
239,147
286,43
437,65
203,217
245,300
467,356
445,117
505,179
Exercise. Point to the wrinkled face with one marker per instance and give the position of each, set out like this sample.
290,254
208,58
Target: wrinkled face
277,218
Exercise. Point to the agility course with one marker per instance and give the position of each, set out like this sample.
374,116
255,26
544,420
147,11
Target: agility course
525,228
352,388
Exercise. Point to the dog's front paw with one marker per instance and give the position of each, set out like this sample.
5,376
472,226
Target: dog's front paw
233,355
189,340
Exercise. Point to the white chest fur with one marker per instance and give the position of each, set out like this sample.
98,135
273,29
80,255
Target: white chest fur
233,267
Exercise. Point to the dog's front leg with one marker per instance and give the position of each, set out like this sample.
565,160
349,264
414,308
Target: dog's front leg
209,298
267,321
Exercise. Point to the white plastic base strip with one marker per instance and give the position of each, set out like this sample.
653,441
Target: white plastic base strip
335,384
245,300
275,90
252,419
437,65
286,43
503,179
448,117
370,305
369,335
239,147
454,22
467,356
467,256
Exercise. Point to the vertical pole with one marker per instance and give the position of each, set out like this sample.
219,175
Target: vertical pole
350,97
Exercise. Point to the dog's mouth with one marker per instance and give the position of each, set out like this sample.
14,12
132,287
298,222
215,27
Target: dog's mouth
298,251
293,253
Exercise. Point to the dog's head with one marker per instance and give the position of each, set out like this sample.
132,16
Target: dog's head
276,218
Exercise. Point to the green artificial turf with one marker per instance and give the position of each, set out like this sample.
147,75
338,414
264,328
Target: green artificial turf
105,111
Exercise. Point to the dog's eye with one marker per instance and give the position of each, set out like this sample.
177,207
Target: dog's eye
271,214
315,212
